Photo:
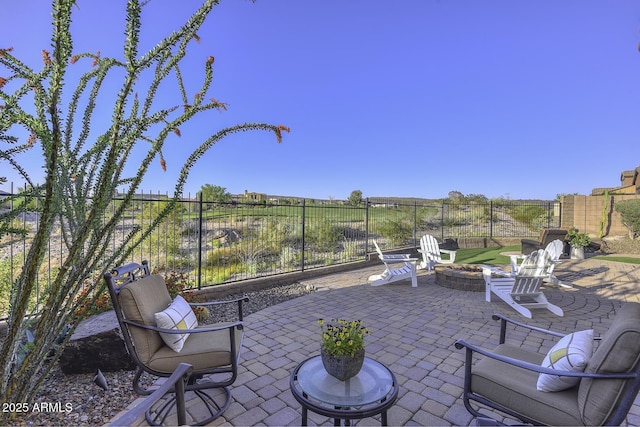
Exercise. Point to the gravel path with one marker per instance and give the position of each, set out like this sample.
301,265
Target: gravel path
81,402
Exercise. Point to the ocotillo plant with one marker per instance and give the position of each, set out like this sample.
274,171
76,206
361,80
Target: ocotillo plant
84,155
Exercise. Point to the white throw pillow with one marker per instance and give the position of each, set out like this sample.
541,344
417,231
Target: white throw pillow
571,353
178,315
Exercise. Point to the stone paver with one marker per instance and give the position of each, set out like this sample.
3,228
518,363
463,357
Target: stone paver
412,331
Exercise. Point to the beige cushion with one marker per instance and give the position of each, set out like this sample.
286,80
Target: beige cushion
140,301
618,351
515,388
177,316
571,353
203,350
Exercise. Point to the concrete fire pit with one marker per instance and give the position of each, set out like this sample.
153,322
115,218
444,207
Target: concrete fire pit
463,277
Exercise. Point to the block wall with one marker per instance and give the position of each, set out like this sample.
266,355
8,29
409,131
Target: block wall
586,213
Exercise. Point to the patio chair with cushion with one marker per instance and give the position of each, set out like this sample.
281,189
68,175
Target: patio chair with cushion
547,235
569,385
161,333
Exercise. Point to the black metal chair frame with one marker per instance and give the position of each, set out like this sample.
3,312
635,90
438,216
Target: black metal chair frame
120,277
616,417
175,383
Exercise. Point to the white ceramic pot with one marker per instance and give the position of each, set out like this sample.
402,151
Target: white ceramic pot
577,252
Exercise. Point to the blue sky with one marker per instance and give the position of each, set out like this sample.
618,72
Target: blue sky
412,98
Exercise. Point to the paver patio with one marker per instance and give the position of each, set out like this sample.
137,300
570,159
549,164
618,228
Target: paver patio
412,331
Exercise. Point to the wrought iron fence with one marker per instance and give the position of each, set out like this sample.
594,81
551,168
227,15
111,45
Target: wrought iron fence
215,243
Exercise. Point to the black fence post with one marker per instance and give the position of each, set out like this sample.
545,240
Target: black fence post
490,219
199,280
559,214
304,213
366,227
415,222
442,222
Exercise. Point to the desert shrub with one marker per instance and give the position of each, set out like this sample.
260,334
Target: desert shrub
396,231
528,215
349,249
629,211
5,286
324,235
275,235
289,257
222,256
94,301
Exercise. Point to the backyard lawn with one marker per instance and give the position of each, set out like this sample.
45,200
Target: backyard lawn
485,255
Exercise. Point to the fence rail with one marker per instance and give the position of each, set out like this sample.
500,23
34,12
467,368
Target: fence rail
215,243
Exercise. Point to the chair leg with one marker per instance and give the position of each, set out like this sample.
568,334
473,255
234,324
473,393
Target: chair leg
163,412
414,277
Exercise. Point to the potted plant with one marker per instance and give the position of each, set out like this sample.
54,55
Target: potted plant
578,241
342,348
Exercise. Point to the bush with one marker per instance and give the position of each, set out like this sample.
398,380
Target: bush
528,215
397,232
324,235
629,211
289,257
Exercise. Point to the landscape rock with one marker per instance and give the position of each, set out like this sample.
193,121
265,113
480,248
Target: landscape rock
96,344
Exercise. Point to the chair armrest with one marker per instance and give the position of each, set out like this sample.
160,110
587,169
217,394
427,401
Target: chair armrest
176,379
503,327
396,257
494,270
460,344
452,254
219,327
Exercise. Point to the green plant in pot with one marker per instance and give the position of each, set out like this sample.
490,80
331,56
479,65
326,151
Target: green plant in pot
578,242
342,349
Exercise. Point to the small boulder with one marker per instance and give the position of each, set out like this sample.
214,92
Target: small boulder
97,343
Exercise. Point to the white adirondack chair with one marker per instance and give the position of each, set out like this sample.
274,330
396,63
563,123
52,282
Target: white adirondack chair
432,254
389,275
522,291
554,251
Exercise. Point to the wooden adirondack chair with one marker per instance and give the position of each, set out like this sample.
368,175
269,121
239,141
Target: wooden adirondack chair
554,250
522,292
432,253
389,275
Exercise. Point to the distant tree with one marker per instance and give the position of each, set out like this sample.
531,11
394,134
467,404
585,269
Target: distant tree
215,193
355,198
455,195
478,198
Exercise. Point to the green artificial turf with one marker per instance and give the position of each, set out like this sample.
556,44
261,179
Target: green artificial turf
489,256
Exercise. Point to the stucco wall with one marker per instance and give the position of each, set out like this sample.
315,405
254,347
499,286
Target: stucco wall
586,213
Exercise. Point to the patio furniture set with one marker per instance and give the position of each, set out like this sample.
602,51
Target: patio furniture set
576,383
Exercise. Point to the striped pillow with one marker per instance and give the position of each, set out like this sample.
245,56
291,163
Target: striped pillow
177,316
571,353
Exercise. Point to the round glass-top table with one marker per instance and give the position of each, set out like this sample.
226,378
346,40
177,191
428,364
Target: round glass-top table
369,393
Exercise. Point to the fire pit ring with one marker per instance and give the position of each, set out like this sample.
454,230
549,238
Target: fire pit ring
463,277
